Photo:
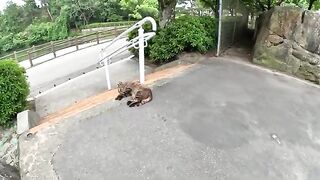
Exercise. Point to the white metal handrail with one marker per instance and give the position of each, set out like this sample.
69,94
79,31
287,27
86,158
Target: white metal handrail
139,42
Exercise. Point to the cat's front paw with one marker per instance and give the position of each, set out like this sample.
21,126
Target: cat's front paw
133,104
129,102
119,97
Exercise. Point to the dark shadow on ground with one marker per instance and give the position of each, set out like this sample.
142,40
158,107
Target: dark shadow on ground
243,46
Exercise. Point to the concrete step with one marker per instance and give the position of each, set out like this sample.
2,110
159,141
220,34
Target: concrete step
85,86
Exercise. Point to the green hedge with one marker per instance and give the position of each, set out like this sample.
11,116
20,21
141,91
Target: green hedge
187,33
14,90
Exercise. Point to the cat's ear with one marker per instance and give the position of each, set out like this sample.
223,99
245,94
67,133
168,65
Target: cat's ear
120,83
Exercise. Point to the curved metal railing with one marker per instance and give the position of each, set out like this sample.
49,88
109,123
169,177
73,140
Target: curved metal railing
139,42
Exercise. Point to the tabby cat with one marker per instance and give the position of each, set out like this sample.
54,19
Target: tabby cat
125,89
140,94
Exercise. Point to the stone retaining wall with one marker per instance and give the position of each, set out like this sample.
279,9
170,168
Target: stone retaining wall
288,39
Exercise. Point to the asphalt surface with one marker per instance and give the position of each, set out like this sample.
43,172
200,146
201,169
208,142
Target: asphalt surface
83,86
47,75
220,120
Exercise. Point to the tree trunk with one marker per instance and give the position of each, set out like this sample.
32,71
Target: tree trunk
167,11
269,4
310,4
215,8
49,13
45,5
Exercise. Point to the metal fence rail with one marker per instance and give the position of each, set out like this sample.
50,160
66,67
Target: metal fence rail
233,23
54,46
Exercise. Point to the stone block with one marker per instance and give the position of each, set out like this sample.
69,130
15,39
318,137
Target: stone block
26,120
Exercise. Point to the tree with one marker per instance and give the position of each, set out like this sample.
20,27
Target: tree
45,5
12,19
110,10
167,11
138,9
212,4
311,2
30,11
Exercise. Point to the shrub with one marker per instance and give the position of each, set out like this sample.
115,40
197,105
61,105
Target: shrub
60,29
187,33
14,90
20,40
6,43
39,33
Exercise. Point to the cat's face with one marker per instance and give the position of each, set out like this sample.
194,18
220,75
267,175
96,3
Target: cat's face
123,88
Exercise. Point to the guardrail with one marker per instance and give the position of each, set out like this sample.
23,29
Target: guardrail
106,25
54,46
139,42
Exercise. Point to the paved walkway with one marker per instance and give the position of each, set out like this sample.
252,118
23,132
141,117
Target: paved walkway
44,76
219,120
67,79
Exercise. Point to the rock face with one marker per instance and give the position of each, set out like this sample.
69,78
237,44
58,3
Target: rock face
9,146
288,39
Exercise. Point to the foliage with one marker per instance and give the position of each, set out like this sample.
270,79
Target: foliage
30,24
110,11
191,33
30,11
60,28
11,20
138,9
6,42
38,33
212,4
14,90
187,33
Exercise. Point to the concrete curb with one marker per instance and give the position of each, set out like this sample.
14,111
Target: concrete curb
26,120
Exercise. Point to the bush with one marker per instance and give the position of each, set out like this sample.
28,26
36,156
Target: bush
188,33
39,33
6,43
14,90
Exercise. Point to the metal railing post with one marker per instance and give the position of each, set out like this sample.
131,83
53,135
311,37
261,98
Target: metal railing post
219,28
106,64
30,58
53,49
141,54
15,55
97,37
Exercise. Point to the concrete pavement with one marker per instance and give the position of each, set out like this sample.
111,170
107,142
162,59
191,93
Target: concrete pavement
219,120
67,79
58,70
85,86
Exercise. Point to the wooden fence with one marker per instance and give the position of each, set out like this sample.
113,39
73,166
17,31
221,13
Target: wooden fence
54,46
